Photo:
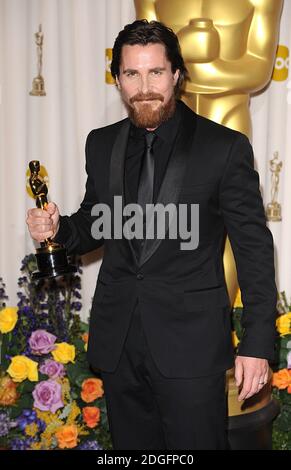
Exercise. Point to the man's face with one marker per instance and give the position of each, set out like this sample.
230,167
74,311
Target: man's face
147,83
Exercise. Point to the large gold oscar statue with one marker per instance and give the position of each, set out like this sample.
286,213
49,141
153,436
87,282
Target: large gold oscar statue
229,50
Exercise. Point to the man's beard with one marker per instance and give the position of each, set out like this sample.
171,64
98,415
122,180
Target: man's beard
146,116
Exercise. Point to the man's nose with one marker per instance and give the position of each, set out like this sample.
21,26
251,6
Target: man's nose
144,85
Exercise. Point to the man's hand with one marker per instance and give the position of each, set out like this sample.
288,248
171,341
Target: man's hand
251,374
43,224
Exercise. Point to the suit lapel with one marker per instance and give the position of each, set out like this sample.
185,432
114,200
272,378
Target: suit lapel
173,179
117,184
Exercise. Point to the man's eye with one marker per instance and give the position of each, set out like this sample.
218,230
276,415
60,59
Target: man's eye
130,74
157,72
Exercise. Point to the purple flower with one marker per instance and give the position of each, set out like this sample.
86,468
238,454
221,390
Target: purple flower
53,369
41,342
27,417
21,444
48,396
5,424
289,360
90,445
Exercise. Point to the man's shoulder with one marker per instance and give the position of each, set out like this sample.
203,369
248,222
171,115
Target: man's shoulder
218,130
212,129
107,131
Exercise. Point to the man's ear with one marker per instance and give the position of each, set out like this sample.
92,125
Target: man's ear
117,82
176,76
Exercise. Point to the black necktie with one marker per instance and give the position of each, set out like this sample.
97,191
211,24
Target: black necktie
146,179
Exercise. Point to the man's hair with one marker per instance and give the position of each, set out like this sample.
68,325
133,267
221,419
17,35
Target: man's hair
144,32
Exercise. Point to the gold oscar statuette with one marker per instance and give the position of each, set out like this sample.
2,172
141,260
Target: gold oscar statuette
38,88
51,257
274,208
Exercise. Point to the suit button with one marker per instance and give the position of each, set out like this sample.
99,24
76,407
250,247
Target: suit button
139,276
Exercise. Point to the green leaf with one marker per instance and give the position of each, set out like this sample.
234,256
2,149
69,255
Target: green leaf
83,376
79,344
84,327
25,401
65,411
27,386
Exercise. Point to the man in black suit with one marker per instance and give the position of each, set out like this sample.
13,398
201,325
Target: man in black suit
160,333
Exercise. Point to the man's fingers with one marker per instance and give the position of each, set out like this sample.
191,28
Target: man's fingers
40,221
238,373
40,229
255,388
32,213
40,237
266,377
255,375
51,208
247,387
263,378
251,386
42,224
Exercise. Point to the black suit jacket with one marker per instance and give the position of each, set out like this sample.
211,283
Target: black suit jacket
182,295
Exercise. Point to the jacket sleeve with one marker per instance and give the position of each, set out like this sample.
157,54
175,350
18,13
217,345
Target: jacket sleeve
75,230
252,244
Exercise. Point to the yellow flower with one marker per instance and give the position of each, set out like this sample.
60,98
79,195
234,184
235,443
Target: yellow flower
31,429
66,390
235,340
64,353
8,319
22,368
283,324
36,446
238,301
74,413
49,418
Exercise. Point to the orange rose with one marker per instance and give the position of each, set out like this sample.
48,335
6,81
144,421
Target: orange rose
91,389
282,379
85,337
91,416
8,392
67,436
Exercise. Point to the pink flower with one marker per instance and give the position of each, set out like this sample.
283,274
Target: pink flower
289,360
48,396
53,369
41,342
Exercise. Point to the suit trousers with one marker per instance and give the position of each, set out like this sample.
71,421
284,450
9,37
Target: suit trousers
147,410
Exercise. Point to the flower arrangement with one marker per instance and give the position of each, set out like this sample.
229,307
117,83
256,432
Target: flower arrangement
49,397
281,380
282,375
